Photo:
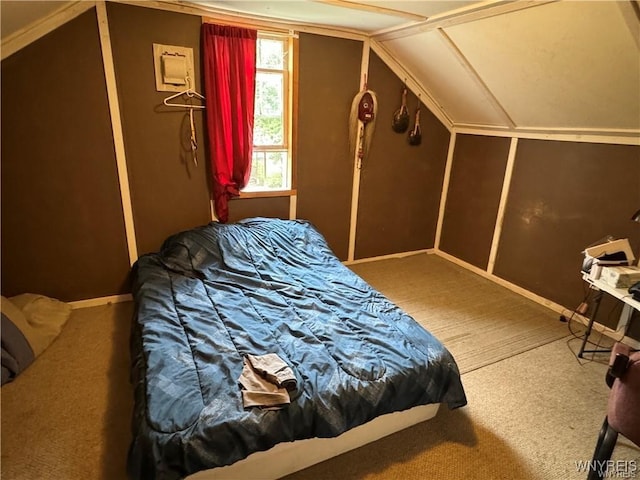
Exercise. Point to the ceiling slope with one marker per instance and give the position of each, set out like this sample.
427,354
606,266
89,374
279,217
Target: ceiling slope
560,66
567,65
547,67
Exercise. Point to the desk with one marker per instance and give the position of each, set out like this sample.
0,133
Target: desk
621,294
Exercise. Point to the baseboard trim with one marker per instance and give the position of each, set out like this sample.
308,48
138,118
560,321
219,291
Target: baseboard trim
609,332
95,302
500,281
387,257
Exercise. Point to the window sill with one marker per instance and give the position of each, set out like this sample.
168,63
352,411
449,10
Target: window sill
268,193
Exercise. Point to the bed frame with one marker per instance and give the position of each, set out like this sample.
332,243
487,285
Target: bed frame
290,457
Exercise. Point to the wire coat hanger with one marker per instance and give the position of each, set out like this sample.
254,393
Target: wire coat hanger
189,92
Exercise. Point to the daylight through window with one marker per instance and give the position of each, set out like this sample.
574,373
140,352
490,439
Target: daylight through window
271,163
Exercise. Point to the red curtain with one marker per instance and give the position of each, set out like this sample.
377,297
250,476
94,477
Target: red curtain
229,77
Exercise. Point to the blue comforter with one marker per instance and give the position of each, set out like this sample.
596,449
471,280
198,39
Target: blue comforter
218,292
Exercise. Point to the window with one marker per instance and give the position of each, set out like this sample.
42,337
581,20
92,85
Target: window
271,163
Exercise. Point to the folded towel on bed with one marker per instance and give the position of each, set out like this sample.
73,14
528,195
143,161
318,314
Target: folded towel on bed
266,381
274,369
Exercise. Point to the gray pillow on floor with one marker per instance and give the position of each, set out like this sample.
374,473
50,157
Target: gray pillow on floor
30,323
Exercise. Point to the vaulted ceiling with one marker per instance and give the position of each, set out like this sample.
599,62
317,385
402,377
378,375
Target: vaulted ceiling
526,66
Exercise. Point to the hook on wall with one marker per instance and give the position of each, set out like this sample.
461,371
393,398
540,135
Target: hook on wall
400,121
415,135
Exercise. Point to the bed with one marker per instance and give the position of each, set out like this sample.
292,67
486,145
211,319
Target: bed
221,293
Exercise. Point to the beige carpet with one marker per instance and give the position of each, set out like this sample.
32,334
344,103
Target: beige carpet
68,416
479,321
530,416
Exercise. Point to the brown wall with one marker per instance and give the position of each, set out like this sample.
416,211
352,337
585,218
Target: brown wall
270,207
168,192
473,197
563,197
62,221
62,224
400,184
329,77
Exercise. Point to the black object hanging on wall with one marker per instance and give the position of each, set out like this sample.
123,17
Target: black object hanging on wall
415,135
400,121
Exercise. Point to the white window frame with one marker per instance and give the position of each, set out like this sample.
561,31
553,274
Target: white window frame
287,74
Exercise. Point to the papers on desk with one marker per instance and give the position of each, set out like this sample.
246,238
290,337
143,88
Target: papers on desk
610,252
620,277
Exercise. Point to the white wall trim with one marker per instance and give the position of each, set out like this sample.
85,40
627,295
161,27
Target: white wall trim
363,7
38,29
388,257
229,15
503,204
41,27
475,78
617,137
95,302
411,83
116,125
555,307
466,14
293,207
445,188
357,164
511,286
628,11
212,210
614,334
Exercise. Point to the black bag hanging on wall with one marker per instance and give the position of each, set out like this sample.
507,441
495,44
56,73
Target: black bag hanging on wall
400,121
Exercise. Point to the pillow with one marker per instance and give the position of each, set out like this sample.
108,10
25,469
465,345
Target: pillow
17,353
45,316
29,324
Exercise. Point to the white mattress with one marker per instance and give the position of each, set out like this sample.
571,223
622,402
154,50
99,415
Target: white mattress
286,458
